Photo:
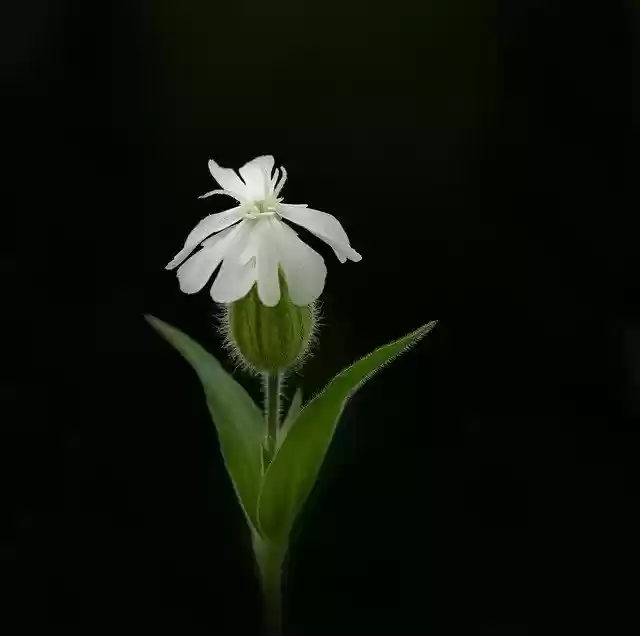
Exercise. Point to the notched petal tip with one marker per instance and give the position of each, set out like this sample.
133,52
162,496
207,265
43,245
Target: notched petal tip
324,226
346,253
177,259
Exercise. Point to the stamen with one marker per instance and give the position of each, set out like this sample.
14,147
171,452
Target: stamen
256,213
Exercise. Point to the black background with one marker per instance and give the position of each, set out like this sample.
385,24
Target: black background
479,156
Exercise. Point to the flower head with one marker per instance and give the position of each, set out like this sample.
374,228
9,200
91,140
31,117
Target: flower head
253,242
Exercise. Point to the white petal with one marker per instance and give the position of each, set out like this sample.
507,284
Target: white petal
228,179
303,267
266,163
208,225
257,176
251,244
236,276
324,226
278,188
267,263
234,280
274,179
228,193
194,274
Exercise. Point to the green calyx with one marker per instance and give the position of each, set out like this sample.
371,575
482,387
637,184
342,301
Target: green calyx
269,339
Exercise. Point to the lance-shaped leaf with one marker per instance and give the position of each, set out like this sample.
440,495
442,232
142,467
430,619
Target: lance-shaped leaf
294,469
237,418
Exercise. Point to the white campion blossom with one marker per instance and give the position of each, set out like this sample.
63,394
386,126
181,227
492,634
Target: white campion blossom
252,241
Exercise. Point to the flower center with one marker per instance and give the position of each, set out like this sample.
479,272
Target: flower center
262,209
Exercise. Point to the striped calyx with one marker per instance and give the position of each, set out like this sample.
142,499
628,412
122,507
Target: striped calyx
269,339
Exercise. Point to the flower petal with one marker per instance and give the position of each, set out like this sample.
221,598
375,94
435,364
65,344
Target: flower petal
251,245
257,177
208,225
228,179
228,193
267,262
274,179
235,278
266,163
277,188
324,226
304,269
194,274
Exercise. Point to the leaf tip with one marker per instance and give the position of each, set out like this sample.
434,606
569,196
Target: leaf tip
156,323
429,326
163,328
422,331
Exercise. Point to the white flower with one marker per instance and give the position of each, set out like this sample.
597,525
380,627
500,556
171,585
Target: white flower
252,241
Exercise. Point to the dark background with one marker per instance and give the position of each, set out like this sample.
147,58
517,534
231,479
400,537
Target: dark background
479,156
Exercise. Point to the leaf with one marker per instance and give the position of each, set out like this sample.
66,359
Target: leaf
292,474
292,413
238,420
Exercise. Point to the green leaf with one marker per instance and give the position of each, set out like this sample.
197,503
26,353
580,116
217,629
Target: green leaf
294,469
292,413
238,420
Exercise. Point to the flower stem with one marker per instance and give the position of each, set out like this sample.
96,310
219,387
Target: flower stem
270,559
272,408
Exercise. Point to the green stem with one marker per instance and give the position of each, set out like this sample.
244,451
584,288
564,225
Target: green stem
269,555
272,408
270,559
